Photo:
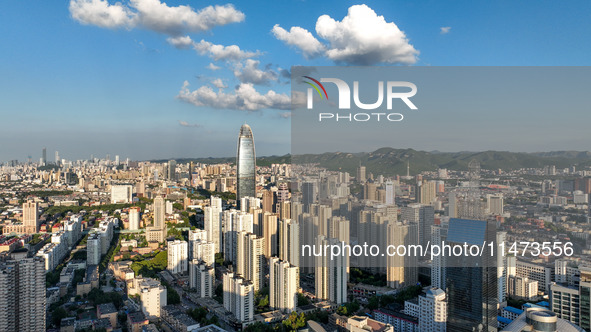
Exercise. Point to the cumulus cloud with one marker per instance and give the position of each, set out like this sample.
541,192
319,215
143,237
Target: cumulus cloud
300,38
211,66
153,15
180,42
218,83
221,52
244,97
361,38
444,30
249,72
102,14
186,124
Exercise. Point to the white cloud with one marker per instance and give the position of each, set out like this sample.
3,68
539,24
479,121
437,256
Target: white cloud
102,14
444,30
361,38
249,72
300,38
153,15
218,83
211,66
186,124
221,52
181,42
244,97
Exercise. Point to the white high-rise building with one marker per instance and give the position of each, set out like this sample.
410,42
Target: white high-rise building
282,285
289,241
331,274
201,278
121,193
238,297
250,260
134,218
203,251
438,233
433,311
177,256
159,212
152,296
212,217
390,193
234,222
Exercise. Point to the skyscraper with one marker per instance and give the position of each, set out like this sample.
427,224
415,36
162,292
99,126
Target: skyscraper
22,295
159,212
31,217
250,261
172,170
471,281
245,164
44,157
212,216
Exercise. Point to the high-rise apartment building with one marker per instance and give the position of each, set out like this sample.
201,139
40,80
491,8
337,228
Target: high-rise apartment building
134,218
22,295
331,274
212,218
282,285
402,270
177,256
201,278
250,260
433,310
31,217
238,297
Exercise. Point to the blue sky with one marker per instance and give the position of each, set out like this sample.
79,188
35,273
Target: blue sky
76,84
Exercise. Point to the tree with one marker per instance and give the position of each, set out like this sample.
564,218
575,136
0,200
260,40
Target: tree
302,300
295,321
374,303
57,315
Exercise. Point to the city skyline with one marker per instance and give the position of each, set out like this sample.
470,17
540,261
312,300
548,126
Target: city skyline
87,71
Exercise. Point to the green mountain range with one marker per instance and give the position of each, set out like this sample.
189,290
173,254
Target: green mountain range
390,161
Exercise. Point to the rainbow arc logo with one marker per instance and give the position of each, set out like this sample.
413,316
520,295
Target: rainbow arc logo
316,87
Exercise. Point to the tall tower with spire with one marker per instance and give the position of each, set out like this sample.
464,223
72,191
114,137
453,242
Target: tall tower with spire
245,164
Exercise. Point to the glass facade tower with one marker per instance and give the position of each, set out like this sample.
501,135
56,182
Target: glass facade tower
245,165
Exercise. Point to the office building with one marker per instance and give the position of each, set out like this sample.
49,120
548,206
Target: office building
423,216
471,281
245,164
